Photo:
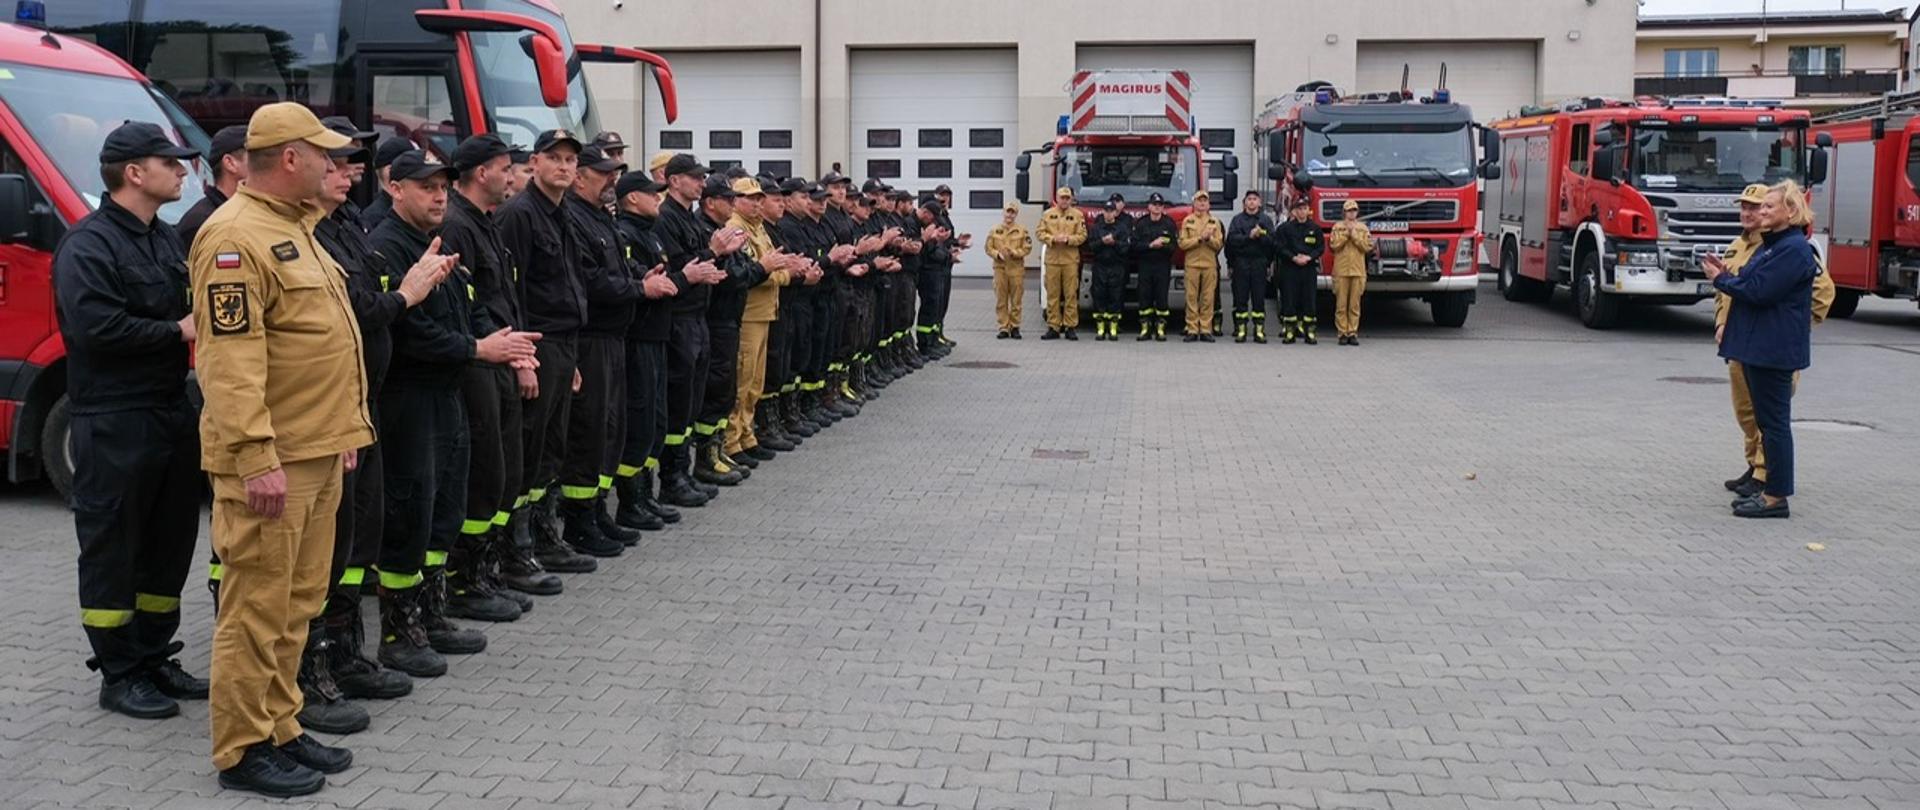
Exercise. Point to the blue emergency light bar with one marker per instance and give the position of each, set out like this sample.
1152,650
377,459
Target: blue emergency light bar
31,12
1061,128
1442,96
1323,96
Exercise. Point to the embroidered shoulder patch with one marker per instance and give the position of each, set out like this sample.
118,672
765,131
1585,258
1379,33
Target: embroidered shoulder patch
227,303
286,252
226,261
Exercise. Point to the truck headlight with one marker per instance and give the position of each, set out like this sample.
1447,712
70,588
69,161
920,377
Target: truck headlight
1638,259
1464,258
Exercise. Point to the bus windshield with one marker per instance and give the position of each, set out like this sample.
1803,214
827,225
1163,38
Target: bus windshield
69,114
1678,158
1135,172
510,84
1348,155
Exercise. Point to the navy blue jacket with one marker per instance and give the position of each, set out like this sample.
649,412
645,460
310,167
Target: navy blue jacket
1771,322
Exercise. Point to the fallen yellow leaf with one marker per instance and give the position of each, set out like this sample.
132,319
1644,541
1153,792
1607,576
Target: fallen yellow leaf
1816,546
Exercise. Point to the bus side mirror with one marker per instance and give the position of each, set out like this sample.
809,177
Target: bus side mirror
1817,166
550,65
542,42
16,214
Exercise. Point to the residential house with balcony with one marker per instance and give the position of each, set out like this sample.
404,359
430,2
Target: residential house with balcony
1809,59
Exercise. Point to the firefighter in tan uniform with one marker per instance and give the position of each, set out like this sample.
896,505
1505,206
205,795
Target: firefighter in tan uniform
1201,237
756,321
279,359
1063,229
1351,244
1736,257
1008,245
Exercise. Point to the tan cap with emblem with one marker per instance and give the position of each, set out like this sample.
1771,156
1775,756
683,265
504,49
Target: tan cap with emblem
286,122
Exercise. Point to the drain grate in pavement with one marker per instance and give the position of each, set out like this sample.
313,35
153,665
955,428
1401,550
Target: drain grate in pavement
1061,455
1696,380
1832,426
986,364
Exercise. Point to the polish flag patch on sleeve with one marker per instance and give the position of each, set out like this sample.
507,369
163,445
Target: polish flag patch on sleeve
226,261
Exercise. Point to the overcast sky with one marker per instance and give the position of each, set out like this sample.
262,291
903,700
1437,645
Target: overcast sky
1713,6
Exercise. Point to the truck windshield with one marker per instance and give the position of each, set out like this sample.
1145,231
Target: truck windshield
509,84
1367,155
1719,160
69,114
1135,172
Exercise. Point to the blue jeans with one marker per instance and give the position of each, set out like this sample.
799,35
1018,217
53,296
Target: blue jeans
1772,392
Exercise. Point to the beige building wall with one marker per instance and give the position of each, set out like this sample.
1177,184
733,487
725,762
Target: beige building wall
1739,54
1584,47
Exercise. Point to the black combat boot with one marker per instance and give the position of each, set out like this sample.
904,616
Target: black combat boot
634,497
611,528
325,708
519,570
356,675
493,555
470,595
582,530
794,421
651,502
446,637
552,553
769,432
403,640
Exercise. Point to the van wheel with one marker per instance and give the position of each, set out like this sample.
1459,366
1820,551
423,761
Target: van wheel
1450,309
1597,309
56,448
1844,303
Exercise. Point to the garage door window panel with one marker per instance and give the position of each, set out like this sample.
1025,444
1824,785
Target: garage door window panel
936,169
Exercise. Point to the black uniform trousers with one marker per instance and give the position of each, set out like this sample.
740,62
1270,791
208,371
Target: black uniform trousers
424,425
646,407
780,349
824,349
1250,290
596,420
137,489
935,285
688,353
723,364
357,526
906,292
492,398
797,359
1297,289
856,312
1154,280
543,420
882,298
1109,286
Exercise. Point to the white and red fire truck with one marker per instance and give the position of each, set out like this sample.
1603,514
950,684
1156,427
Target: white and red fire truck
1131,132
1410,164
1869,210
1619,199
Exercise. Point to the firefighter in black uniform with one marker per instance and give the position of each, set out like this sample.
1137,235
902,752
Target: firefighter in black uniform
958,244
646,356
488,578
822,387
423,421
1110,238
937,254
883,265
693,245
726,304
1155,238
1297,247
388,149
120,294
906,291
1249,254
534,227
597,422
771,420
227,158
846,378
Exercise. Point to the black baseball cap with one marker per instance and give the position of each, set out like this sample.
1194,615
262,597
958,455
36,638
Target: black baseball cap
637,181
872,185
900,194
414,164
609,141
230,139
595,158
1117,197
1110,206
817,191
943,188
793,185
345,126
718,186
835,177
520,156
390,147
1156,199
684,163
475,151
863,202
934,208
736,171
554,137
138,139
1301,202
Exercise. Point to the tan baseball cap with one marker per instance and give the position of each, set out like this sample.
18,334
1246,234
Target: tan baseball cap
1755,194
659,160
286,122
1350,205
1013,206
1063,191
747,187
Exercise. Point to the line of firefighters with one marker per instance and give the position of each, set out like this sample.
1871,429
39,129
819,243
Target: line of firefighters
1257,251
538,331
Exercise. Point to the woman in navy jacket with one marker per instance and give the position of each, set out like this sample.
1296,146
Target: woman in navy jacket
1769,332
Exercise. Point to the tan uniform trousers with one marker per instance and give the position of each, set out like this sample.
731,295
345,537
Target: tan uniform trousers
1743,413
1347,292
1203,290
274,582
1061,284
1009,287
750,383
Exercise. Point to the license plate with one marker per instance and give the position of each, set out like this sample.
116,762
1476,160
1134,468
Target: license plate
1391,226
1706,289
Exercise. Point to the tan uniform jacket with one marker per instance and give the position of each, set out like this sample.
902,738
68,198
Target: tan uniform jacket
1069,223
763,301
278,355
1201,236
1009,245
1350,245
1736,257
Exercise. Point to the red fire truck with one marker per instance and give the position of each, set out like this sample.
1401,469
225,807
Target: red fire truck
434,71
1619,199
1868,210
1408,161
1131,132
59,97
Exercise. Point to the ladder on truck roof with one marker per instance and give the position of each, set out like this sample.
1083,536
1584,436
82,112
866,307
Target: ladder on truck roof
1887,105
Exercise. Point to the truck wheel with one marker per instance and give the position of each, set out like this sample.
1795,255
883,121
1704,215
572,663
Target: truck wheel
1844,303
56,448
1597,309
1450,309
1515,287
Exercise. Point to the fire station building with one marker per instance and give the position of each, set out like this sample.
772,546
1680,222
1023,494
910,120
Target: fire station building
925,92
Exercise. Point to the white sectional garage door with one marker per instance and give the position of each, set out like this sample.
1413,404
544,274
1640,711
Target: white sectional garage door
926,117
1222,93
1494,77
736,107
